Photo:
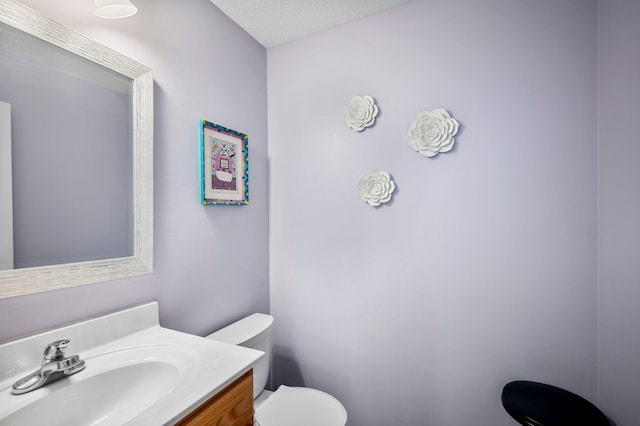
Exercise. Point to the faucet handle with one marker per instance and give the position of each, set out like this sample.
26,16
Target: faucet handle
56,349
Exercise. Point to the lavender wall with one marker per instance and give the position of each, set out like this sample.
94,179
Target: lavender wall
210,263
483,268
619,210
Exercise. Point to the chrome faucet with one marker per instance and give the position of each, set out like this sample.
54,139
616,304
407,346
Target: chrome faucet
55,366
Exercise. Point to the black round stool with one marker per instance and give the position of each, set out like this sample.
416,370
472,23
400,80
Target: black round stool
537,404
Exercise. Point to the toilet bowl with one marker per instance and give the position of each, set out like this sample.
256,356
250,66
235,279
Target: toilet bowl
287,406
295,406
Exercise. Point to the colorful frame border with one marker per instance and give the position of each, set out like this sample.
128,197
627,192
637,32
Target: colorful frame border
239,168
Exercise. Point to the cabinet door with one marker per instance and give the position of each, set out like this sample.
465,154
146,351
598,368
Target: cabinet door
232,406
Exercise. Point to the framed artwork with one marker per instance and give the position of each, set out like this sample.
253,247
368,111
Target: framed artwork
224,165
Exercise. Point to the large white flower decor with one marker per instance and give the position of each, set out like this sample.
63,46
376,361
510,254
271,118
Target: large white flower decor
360,113
376,188
432,132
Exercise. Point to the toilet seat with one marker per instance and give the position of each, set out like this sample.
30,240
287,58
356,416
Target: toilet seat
295,406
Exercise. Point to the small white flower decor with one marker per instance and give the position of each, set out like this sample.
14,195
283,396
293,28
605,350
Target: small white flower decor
376,188
360,113
432,132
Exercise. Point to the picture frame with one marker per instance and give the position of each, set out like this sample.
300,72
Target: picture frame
224,165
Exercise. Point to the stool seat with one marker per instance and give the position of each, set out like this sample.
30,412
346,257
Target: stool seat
538,404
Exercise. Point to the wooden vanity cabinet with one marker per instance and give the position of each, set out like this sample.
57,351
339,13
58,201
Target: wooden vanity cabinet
232,406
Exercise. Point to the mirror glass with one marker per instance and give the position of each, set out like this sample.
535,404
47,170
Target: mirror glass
75,157
70,146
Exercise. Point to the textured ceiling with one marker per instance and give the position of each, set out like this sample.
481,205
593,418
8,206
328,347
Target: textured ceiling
273,22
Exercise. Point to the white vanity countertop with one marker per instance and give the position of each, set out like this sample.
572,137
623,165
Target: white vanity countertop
198,369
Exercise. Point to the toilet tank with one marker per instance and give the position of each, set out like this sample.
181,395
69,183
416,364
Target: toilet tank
252,332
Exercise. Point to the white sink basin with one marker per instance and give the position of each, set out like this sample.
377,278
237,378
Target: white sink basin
113,389
137,373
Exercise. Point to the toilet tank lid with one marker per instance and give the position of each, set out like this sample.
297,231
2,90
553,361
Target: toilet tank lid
244,330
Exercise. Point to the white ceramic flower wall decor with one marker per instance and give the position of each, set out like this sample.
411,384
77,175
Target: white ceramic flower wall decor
376,188
432,132
360,113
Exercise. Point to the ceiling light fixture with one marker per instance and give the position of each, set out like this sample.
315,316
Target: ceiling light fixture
114,9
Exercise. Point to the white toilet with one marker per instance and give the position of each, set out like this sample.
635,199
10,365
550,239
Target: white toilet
287,406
